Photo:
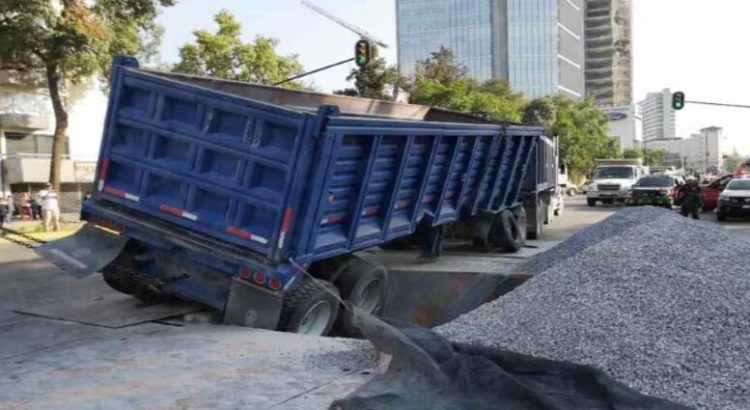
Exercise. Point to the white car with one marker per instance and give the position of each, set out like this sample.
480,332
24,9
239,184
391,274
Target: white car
735,199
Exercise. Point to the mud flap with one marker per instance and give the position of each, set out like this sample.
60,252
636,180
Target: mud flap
252,307
84,253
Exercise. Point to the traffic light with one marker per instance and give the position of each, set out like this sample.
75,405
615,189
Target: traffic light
362,52
678,100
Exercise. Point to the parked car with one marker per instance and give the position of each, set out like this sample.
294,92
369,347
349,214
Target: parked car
712,191
735,200
656,190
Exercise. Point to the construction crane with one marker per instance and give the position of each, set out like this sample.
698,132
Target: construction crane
354,29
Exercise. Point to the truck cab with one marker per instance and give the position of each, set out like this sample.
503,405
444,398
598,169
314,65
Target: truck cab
612,180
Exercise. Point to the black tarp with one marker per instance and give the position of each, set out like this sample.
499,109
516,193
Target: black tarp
427,372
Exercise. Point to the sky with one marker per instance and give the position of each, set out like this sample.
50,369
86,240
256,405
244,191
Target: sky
699,47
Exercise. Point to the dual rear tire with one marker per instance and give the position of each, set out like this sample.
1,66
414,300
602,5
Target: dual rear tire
313,308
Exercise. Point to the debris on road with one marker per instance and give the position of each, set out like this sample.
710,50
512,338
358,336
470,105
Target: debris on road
657,301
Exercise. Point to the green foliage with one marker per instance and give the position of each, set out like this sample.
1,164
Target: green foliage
441,67
442,82
374,80
733,161
650,157
583,130
223,54
70,41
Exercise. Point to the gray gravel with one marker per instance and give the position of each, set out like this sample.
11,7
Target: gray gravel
592,235
661,306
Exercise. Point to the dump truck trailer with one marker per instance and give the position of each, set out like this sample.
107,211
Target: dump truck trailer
252,199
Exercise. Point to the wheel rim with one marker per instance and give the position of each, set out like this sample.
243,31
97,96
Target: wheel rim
316,319
370,296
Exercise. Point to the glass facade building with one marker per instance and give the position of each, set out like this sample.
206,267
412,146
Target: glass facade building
464,26
535,45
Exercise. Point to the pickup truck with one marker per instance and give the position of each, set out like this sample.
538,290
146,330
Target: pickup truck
252,199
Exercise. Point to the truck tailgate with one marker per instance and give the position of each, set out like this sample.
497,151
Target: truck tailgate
212,162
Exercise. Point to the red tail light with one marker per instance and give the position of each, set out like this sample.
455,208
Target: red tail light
259,278
275,283
245,272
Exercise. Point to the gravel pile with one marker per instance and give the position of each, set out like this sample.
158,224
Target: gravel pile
663,307
592,235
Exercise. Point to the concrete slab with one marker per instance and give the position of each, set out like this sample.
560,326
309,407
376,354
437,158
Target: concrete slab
216,367
113,310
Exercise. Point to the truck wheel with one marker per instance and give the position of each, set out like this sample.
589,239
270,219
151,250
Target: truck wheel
119,278
535,230
507,233
310,309
721,216
591,201
363,284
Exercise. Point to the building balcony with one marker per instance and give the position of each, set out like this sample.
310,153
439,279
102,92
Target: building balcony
25,122
34,168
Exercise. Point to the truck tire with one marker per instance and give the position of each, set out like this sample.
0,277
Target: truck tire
591,201
536,227
119,278
363,284
506,232
310,309
721,216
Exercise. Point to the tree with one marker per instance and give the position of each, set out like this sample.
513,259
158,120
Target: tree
374,80
733,161
224,55
633,153
582,128
650,157
441,82
441,67
70,41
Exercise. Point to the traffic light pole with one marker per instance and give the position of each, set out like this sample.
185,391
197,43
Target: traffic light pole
718,104
348,60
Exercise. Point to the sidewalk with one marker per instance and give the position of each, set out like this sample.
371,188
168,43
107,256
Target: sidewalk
69,224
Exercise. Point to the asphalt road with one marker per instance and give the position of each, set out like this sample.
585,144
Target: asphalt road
577,215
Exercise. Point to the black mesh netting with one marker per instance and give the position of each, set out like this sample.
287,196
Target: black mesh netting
429,372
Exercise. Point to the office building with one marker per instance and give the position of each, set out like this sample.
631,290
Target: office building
535,45
658,116
609,59
701,152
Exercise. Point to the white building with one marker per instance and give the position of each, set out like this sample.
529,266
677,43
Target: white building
27,123
703,152
625,125
658,116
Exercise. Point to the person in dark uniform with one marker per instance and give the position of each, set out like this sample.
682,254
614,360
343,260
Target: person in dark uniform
692,199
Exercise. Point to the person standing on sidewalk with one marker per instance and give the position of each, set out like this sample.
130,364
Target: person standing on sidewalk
3,210
11,209
50,208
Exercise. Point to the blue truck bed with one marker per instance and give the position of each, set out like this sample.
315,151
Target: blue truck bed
256,189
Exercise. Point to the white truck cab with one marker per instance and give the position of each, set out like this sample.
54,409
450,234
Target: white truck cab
613,179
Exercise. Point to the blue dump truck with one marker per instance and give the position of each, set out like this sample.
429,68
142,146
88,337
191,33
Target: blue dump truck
237,195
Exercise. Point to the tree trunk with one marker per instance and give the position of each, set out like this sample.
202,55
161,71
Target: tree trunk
61,125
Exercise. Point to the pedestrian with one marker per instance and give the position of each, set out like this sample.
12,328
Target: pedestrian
11,209
3,210
26,210
37,205
50,207
692,199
